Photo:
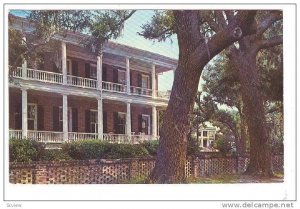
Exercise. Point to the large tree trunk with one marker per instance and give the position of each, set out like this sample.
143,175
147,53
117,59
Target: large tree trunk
242,142
194,54
260,156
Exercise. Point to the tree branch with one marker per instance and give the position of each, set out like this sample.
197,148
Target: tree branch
240,26
275,41
265,24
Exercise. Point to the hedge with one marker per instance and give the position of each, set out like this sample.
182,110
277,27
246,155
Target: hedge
27,150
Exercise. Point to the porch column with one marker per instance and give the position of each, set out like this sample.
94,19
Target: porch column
128,121
158,124
99,72
127,75
64,62
154,121
201,141
24,68
24,113
153,81
100,118
65,116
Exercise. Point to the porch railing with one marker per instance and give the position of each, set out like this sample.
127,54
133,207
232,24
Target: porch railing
141,91
45,136
117,87
51,77
46,76
74,136
57,137
15,72
82,82
15,134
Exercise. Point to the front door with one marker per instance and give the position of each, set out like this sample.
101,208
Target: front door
146,124
32,116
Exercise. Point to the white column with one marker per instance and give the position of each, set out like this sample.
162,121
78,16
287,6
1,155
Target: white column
24,113
64,61
99,72
154,121
127,75
153,81
65,116
24,68
100,118
201,142
158,124
128,120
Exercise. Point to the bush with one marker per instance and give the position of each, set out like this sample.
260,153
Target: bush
151,146
24,150
54,155
89,149
192,147
126,151
95,149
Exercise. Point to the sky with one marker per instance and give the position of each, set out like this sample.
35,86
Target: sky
130,37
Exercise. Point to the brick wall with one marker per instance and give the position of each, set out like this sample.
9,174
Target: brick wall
80,103
117,171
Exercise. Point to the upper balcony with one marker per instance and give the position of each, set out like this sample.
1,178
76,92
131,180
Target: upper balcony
85,83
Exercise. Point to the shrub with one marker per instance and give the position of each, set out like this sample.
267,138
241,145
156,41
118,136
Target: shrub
88,149
24,150
54,155
126,151
151,146
192,147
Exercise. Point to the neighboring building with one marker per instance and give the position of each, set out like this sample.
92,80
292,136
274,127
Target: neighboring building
76,94
206,137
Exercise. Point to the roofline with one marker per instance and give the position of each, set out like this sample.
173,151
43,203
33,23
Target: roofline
150,57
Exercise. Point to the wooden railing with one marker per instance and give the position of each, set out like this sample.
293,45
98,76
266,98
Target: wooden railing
45,136
15,72
141,91
116,87
46,76
51,77
82,82
74,136
15,134
57,137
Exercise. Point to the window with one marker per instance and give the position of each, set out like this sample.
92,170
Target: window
93,71
32,116
69,67
146,124
121,122
145,81
121,77
204,133
60,118
94,121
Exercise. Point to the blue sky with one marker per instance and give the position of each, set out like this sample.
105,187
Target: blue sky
130,37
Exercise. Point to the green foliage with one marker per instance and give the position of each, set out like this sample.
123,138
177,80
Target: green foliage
24,150
88,149
151,146
223,146
192,147
54,155
16,48
160,27
126,151
95,149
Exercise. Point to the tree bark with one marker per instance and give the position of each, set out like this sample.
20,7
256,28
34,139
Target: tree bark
244,59
194,54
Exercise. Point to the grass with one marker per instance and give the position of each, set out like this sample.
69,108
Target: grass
218,179
235,178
